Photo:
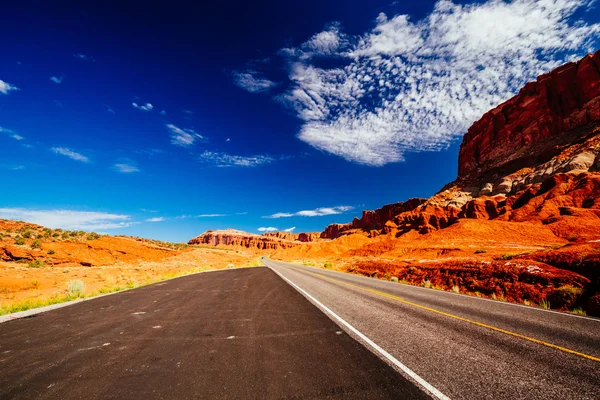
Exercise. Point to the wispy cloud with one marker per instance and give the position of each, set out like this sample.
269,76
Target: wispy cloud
63,151
253,81
201,216
183,137
84,57
156,219
143,107
163,112
317,212
292,229
11,133
411,86
267,229
6,88
126,168
57,79
68,219
187,112
230,160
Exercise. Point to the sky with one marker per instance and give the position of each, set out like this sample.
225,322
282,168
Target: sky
164,121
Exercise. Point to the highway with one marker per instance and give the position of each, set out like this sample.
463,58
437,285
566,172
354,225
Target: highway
232,334
465,347
296,332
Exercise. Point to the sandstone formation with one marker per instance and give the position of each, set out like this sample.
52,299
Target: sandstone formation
301,237
558,102
232,237
371,222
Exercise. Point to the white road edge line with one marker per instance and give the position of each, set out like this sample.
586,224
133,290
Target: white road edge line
445,292
422,382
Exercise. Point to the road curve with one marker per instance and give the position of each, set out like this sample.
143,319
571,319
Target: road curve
466,347
234,334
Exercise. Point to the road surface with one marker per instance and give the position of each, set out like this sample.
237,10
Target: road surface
465,347
234,334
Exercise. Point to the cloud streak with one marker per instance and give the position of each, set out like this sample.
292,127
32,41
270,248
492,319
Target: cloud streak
183,137
411,86
224,160
253,81
11,134
267,229
68,219
6,88
317,212
63,151
143,107
126,168
56,79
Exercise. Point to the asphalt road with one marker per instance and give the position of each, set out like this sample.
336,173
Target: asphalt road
234,334
466,347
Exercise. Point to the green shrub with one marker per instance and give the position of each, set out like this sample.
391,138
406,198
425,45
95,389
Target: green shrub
427,284
394,279
47,232
36,244
75,287
51,251
93,236
567,296
65,235
27,234
36,264
507,256
19,241
480,251
55,234
328,264
545,304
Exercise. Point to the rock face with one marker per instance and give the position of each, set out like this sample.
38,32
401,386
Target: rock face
231,237
301,237
558,102
371,221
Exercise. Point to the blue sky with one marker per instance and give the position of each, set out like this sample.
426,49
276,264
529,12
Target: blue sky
166,121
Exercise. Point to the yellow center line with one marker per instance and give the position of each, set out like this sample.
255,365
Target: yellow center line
470,321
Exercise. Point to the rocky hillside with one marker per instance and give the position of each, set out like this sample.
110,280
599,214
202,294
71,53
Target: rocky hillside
516,134
232,237
521,221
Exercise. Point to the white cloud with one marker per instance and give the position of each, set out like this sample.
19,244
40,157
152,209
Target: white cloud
126,168
11,133
228,140
187,112
317,212
292,229
143,107
229,160
410,86
163,112
84,57
253,81
56,79
155,219
210,215
183,137
70,153
6,88
267,229
68,219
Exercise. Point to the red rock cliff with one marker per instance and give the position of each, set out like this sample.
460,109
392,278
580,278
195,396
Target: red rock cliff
301,237
372,220
558,102
231,237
